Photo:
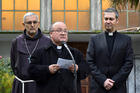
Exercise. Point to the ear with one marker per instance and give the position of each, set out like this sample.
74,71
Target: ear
50,34
117,21
38,23
23,24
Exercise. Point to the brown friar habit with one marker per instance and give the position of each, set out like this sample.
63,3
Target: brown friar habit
19,59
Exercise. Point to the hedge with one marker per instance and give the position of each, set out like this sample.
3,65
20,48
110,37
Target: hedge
6,76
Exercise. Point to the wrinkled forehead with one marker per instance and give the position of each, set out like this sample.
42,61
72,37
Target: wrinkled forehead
109,14
31,18
59,25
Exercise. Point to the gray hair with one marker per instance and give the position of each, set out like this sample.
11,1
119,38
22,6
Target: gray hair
113,10
29,14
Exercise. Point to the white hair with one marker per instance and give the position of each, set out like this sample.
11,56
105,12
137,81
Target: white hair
29,14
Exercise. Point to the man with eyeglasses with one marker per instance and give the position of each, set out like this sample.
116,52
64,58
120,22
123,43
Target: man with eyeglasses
52,67
110,56
23,47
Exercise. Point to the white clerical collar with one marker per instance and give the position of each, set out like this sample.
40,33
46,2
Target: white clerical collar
110,33
59,47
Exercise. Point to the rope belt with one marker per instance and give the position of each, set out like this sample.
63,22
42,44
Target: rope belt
23,82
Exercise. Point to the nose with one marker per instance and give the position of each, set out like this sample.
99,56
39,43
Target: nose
63,32
32,24
108,21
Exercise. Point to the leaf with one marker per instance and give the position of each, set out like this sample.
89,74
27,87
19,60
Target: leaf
6,76
134,3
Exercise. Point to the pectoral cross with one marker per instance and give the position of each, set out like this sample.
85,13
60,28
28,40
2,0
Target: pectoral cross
29,58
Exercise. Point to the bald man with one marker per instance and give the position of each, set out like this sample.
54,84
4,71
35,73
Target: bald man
51,77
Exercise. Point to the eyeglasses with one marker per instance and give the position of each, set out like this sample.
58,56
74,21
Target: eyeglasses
111,19
60,31
30,22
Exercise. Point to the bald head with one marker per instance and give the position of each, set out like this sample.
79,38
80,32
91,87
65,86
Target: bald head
57,25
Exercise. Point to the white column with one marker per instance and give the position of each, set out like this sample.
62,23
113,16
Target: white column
45,14
96,14
131,82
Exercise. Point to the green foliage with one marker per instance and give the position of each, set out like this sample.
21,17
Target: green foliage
134,3
6,76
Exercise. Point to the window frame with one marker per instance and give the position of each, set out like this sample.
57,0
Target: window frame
27,10
77,11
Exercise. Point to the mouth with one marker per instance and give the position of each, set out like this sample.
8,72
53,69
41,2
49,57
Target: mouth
32,29
108,25
63,37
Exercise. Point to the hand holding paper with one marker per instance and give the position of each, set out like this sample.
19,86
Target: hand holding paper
64,63
72,67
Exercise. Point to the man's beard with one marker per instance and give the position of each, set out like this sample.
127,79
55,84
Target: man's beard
32,33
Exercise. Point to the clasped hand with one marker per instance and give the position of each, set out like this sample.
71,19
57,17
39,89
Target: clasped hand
108,84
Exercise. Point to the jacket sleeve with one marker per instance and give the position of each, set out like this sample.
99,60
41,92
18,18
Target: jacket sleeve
83,67
13,56
127,66
90,56
37,71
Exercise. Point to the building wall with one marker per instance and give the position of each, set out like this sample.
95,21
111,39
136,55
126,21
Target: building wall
81,43
5,48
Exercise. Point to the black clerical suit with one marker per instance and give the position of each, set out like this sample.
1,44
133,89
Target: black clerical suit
63,80
109,58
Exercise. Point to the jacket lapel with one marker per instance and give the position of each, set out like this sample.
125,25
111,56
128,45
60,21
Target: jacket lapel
104,42
116,42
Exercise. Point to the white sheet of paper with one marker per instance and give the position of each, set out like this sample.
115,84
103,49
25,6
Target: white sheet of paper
64,63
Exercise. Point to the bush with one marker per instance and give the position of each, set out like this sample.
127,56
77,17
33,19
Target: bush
6,76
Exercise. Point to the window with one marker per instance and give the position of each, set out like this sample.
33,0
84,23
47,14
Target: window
12,12
75,13
128,17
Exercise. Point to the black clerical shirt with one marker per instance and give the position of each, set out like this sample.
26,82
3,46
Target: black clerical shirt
110,41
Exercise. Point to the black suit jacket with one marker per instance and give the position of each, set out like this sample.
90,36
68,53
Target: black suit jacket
116,67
